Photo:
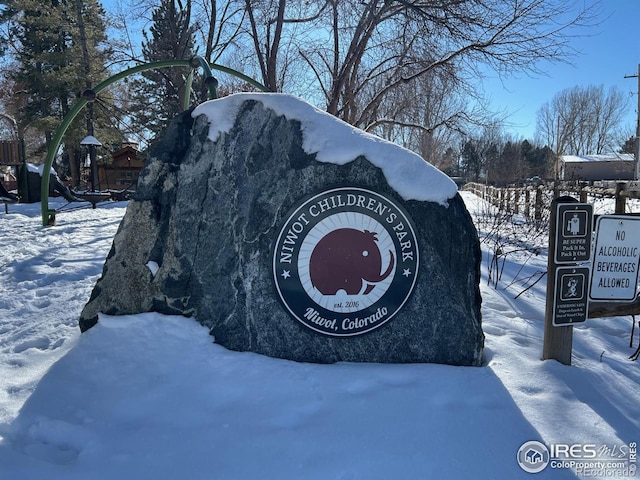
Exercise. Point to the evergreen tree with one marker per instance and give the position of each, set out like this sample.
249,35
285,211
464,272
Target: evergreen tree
54,65
490,160
509,166
471,161
158,93
539,161
629,146
526,150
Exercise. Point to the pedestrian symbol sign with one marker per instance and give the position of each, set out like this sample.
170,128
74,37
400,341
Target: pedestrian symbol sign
573,242
571,304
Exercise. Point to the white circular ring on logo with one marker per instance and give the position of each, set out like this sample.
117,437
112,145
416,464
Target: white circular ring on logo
340,302
533,456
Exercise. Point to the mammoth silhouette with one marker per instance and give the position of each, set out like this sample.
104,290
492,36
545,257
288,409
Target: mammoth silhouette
344,259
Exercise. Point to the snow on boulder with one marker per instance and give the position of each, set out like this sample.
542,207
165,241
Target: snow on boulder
289,233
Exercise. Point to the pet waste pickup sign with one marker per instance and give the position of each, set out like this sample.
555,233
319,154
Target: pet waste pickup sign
614,275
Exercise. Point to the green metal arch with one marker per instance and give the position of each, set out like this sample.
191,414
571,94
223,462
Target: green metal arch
48,216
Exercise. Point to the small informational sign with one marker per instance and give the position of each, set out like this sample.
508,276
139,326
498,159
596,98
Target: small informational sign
574,225
616,257
571,303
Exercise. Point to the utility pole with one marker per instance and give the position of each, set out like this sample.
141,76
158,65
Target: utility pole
637,142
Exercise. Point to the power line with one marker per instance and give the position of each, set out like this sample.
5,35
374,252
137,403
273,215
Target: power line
637,142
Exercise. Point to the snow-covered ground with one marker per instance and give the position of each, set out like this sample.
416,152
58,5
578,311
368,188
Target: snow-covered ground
151,397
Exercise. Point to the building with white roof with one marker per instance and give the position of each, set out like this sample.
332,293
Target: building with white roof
612,166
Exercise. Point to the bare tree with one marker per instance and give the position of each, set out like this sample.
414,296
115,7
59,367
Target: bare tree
217,26
405,69
395,43
582,120
426,116
126,20
267,50
278,30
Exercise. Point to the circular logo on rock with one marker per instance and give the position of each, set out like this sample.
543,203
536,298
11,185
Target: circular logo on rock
346,261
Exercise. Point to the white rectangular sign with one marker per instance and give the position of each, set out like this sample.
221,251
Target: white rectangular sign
616,257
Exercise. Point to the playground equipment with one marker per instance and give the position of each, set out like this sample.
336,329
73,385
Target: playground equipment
6,198
30,178
12,154
48,216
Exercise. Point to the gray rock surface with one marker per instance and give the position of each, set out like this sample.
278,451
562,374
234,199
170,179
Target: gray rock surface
208,215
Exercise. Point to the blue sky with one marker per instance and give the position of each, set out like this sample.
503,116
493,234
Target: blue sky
608,53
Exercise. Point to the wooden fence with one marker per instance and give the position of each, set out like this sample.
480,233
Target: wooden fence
533,201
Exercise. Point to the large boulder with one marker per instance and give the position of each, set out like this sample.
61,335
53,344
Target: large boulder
291,234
